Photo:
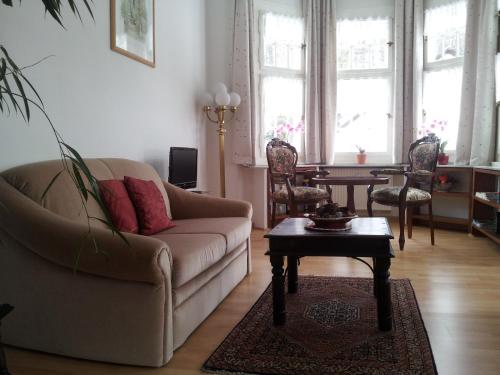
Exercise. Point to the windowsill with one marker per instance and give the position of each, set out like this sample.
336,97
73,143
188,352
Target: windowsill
341,165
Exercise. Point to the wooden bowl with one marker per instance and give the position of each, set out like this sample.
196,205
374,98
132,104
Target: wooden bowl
333,222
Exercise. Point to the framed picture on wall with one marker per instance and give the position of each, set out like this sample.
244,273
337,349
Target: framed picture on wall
133,29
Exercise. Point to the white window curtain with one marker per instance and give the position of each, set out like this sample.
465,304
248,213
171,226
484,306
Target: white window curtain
476,131
244,83
321,80
409,26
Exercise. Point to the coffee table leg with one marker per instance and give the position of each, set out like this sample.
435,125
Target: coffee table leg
383,290
292,274
374,278
279,312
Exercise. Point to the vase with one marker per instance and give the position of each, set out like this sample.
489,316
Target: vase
361,158
443,159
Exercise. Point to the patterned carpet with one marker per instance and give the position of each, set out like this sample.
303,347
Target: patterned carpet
331,328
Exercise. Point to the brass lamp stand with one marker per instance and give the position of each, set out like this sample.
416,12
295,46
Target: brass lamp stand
220,111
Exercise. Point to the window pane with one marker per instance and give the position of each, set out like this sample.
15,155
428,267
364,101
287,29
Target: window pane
283,39
442,90
362,108
362,44
282,109
445,31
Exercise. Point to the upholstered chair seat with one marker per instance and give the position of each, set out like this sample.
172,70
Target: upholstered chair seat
391,195
302,194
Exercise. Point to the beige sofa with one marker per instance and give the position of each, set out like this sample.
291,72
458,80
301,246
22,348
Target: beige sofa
138,303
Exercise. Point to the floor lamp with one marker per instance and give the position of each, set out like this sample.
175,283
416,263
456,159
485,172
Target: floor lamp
220,103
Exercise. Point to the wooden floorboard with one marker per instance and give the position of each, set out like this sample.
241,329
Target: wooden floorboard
457,284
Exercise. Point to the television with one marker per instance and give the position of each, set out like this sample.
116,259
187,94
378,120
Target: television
183,167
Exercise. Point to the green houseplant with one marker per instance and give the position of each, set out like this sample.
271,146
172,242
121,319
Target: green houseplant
18,96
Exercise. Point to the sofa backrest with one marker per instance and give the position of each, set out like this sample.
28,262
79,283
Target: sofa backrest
63,198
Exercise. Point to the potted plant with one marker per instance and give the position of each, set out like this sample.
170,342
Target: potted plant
361,156
443,158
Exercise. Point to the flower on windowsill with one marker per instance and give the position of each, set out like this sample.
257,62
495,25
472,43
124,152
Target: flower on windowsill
285,130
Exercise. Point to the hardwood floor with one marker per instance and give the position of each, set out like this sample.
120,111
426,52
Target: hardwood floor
457,283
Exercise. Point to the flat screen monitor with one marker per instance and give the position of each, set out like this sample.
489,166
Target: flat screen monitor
183,167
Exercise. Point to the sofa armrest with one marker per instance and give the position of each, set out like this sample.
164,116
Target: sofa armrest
66,243
187,205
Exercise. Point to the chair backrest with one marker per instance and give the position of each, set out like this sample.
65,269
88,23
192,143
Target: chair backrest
281,158
423,156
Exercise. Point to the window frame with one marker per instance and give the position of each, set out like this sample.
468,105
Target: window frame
264,71
385,73
436,67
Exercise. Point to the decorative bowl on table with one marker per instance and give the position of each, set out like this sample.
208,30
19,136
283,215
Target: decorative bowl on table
331,217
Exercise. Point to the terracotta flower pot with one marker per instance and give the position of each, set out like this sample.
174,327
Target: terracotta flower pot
361,158
443,159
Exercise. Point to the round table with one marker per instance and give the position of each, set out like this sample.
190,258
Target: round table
349,182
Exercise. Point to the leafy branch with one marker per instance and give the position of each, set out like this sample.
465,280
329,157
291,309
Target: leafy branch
18,95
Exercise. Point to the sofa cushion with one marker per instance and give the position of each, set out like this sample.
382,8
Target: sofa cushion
192,254
124,167
235,230
120,207
149,205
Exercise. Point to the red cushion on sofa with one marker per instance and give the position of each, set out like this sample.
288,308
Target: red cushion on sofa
120,207
149,205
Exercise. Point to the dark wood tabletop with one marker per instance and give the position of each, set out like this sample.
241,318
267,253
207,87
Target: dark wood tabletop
350,180
364,227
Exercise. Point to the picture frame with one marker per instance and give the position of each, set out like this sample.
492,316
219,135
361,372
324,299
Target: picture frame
133,29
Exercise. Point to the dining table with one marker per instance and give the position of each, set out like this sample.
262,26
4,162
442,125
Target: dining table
349,182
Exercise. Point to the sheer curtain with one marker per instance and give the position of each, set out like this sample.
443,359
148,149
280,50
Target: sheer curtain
321,80
476,132
244,83
409,26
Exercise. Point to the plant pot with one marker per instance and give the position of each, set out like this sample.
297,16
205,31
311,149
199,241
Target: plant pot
361,158
443,159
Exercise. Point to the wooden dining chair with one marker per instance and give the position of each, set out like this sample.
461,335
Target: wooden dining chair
282,162
417,190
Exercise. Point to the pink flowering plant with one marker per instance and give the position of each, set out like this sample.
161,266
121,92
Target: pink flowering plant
437,127
285,130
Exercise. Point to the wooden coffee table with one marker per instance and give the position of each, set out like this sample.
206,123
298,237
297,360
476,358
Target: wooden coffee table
369,237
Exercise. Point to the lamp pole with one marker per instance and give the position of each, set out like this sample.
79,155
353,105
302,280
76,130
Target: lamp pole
224,102
220,111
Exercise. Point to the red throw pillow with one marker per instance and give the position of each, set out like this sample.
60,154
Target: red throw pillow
149,205
120,207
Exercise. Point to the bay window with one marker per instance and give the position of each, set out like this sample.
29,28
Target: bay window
281,74
364,89
444,39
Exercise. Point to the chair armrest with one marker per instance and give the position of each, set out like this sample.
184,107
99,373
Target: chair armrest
390,172
187,205
312,173
283,175
420,173
62,241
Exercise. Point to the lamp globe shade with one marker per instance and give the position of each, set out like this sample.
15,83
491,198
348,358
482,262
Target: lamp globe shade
208,99
220,87
235,99
222,98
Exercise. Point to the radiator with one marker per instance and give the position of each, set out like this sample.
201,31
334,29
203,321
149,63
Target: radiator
339,193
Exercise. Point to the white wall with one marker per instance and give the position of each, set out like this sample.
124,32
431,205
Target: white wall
103,103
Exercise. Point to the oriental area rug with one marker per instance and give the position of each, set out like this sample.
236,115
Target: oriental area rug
331,328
